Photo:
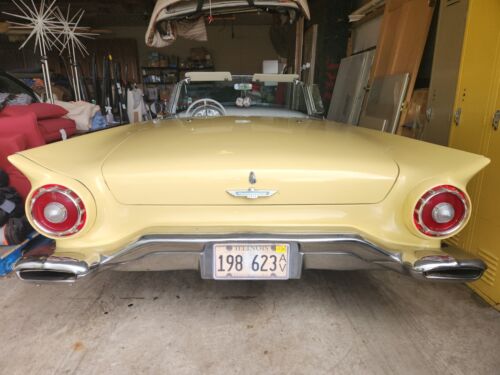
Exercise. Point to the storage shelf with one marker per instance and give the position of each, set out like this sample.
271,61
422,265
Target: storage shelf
179,73
158,68
159,83
197,69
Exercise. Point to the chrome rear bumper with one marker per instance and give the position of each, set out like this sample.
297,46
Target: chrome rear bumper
322,252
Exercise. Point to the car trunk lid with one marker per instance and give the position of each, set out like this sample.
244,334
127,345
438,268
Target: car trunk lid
198,162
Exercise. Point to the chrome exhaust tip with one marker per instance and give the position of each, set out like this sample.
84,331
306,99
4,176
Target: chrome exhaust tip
46,276
51,269
447,268
460,274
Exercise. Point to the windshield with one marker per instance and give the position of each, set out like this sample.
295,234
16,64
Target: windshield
10,85
242,97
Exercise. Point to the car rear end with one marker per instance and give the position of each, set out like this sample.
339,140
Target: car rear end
122,210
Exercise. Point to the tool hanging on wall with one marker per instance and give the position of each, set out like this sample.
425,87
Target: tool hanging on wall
120,97
103,85
127,83
107,99
68,73
113,89
126,89
84,92
96,90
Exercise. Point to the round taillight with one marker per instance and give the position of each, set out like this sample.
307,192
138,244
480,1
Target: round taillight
57,211
441,211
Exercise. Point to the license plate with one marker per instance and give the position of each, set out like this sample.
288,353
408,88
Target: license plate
251,261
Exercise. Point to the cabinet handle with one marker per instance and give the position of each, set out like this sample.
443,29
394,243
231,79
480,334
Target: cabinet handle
428,114
496,120
457,115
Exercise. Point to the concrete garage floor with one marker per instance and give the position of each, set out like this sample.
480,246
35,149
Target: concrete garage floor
175,323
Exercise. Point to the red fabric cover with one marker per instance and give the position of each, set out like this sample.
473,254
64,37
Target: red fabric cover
41,110
19,182
50,128
10,144
25,125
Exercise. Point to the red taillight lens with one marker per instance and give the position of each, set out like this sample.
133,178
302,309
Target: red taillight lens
441,211
57,211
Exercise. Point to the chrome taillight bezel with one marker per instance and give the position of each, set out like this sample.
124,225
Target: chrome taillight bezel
72,197
419,221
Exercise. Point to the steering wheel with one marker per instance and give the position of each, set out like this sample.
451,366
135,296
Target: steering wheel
205,108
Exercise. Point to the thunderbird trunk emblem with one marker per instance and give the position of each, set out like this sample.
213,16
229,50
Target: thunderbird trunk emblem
251,193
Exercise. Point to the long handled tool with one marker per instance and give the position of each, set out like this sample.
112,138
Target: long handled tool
84,94
69,75
107,94
119,97
106,86
95,80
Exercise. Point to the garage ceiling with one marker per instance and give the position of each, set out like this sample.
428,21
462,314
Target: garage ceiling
109,13
103,13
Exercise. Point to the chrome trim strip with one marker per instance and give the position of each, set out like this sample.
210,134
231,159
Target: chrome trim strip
307,243
321,251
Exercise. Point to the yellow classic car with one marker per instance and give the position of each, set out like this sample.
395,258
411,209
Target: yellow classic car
246,180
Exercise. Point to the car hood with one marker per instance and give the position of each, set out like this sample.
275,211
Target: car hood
196,162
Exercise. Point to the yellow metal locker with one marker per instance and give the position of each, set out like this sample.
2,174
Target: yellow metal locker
475,129
445,69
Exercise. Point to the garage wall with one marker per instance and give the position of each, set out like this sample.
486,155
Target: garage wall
239,49
333,33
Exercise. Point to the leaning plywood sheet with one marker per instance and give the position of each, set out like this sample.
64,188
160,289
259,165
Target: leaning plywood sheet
365,35
191,10
385,100
402,39
350,88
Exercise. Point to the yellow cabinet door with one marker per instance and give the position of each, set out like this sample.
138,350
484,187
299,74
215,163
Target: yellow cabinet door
445,69
486,232
478,98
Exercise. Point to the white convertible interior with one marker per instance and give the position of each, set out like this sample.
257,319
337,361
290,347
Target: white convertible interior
212,94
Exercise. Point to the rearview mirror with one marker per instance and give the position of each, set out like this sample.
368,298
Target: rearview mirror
243,86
